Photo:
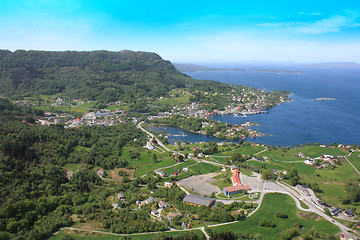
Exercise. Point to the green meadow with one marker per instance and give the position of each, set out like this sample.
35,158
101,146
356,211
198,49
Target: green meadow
268,210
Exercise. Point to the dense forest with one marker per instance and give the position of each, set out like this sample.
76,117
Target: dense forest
98,75
36,197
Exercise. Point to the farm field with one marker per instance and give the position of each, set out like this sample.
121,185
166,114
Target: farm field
246,150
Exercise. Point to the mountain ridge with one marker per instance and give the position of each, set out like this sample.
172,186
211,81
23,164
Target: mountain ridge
104,76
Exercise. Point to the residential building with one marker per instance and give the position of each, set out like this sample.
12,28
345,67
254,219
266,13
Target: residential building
162,204
121,196
349,213
151,200
155,213
335,211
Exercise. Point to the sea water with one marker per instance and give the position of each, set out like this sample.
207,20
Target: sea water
305,119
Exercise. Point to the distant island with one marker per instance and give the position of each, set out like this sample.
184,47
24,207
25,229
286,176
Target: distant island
277,71
319,99
334,65
188,67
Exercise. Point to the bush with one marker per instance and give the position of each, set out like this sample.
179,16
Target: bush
281,214
267,223
66,237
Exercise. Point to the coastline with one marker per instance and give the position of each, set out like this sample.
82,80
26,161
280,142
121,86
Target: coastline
210,135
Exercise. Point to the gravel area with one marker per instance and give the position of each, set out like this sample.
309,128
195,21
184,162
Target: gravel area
199,184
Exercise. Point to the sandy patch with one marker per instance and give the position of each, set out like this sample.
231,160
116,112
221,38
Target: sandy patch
114,173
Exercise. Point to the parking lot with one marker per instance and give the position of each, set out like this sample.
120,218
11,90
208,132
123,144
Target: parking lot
200,184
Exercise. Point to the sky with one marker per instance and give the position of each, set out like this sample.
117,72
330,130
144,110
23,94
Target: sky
189,31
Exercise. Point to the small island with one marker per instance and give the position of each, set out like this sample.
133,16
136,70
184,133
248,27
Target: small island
277,71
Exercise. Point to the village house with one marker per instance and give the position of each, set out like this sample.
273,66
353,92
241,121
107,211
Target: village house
101,171
349,213
335,211
172,215
184,225
151,200
168,184
155,213
162,204
161,173
121,196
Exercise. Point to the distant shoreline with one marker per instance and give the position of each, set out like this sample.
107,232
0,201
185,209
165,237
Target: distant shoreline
278,71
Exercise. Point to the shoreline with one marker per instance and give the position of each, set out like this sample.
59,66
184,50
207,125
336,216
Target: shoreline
209,135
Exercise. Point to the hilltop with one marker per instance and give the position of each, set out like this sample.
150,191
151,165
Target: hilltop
103,76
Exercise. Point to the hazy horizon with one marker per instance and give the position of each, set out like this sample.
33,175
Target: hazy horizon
190,31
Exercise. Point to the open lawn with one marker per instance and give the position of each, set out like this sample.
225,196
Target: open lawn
151,166
246,150
98,236
310,151
73,166
179,166
268,210
143,160
316,151
332,182
205,168
355,159
174,101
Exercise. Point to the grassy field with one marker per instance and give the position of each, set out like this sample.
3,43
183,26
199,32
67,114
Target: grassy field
62,109
73,166
205,168
179,167
332,182
316,151
355,159
310,151
99,236
268,210
144,162
246,150
174,101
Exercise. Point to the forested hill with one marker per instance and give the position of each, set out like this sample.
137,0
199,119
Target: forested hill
98,75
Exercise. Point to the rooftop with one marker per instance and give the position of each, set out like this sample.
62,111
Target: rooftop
198,200
237,188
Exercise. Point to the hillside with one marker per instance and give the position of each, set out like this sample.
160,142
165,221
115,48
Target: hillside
98,75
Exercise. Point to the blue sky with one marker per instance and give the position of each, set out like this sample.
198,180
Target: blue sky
189,31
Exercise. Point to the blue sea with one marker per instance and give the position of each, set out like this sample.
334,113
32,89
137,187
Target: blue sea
305,119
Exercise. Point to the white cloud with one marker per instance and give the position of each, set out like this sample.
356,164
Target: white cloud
334,23
269,24
314,13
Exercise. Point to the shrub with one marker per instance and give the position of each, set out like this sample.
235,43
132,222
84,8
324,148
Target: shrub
281,214
267,223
